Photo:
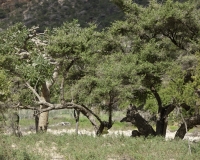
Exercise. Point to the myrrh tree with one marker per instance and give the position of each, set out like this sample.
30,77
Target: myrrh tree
150,55
165,42
59,69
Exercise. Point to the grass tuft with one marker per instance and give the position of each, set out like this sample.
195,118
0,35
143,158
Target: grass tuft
83,147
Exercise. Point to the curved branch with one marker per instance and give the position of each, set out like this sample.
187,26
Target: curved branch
190,123
64,78
157,96
70,105
27,107
168,109
33,90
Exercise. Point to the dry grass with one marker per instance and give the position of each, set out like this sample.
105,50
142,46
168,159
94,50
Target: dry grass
83,147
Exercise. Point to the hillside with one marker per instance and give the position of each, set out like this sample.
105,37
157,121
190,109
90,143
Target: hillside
51,13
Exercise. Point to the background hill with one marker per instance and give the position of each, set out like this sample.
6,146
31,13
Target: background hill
51,13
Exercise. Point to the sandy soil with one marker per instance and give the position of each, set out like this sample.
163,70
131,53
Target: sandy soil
194,136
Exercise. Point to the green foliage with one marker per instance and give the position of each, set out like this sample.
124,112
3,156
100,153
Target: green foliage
70,40
37,72
25,97
177,21
160,33
31,67
4,86
125,60
154,47
13,38
180,82
196,77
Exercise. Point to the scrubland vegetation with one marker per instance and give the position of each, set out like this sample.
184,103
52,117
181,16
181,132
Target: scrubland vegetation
83,147
146,63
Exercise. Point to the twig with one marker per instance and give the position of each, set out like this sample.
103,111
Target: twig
189,147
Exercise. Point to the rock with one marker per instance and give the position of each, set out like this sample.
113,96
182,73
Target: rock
64,123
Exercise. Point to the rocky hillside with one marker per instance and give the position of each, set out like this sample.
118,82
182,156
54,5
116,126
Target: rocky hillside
51,13
11,4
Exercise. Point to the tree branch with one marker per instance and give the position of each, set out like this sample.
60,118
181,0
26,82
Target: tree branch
33,90
168,109
83,109
27,107
54,76
135,118
62,86
191,122
157,96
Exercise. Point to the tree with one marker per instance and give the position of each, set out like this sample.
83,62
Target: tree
138,60
161,34
66,54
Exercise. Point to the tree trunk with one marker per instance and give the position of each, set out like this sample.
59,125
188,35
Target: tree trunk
76,116
191,122
35,114
92,117
104,124
135,118
15,124
43,117
163,112
162,122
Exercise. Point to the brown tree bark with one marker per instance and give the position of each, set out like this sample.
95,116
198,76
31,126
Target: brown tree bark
163,112
108,124
191,122
92,117
43,117
105,124
161,124
144,128
15,124
76,116
35,114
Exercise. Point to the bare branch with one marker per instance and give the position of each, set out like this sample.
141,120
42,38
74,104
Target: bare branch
62,86
19,106
157,96
34,91
186,129
83,109
38,42
27,107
